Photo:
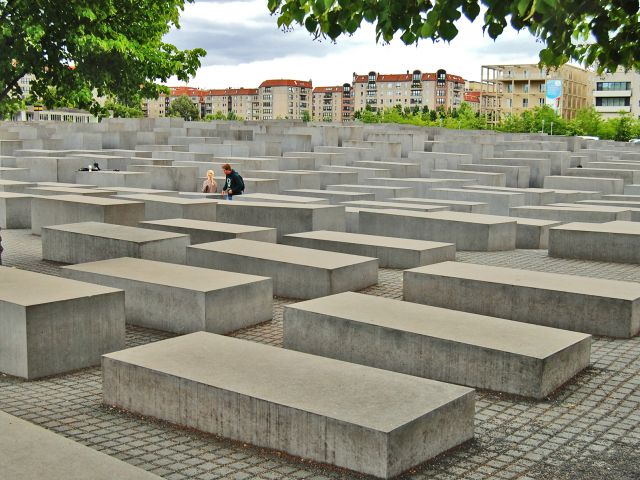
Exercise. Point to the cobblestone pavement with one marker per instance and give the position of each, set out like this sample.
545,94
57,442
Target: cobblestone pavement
589,430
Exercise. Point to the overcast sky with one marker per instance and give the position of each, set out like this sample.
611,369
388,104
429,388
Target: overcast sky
245,46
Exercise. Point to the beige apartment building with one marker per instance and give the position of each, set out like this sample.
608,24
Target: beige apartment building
417,89
284,99
512,89
616,93
332,104
243,102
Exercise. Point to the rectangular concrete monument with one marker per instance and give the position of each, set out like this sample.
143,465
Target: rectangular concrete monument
296,272
570,302
92,241
51,325
391,252
430,342
62,209
203,232
369,420
182,299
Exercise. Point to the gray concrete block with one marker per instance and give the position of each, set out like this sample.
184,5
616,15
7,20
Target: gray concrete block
407,420
380,192
182,299
15,210
182,179
532,196
592,184
629,177
498,202
453,205
115,179
158,207
572,213
296,272
516,176
268,197
30,452
50,191
606,242
204,232
287,180
62,209
430,342
362,172
539,168
469,231
15,174
334,197
396,169
391,252
14,186
92,241
492,179
418,207
422,186
569,302
51,325
284,217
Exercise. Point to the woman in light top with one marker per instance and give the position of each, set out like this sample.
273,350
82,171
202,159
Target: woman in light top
209,185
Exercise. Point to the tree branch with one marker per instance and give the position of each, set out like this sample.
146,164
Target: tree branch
10,85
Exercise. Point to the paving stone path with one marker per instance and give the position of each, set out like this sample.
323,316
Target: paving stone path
590,430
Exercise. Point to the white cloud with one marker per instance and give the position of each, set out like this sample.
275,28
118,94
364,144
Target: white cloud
245,47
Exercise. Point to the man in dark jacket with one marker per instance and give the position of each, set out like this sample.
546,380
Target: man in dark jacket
233,183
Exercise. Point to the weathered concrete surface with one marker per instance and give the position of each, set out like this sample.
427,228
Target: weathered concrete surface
391,252
606,242
159,207
51,325
203,232
592,184
577,213
92,241
63,209
582,304
296,272
453,205
469,231
430,342
369,420
30,452
15,210
285,217
182,299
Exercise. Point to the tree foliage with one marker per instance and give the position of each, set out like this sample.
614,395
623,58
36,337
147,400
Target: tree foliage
88,48
601,32
183,107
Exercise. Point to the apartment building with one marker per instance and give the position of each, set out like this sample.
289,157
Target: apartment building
154,107
616,93
284,99
417,89
332,104
243,102
512,89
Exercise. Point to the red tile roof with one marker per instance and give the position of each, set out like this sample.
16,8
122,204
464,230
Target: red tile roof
327,89
285,83
405,77
473,97
231,92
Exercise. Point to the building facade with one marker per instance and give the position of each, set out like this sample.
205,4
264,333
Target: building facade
327,104
512,89
417,89
616,93
284,99
241,102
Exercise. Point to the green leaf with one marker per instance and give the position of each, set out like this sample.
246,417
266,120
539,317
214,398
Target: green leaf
448,31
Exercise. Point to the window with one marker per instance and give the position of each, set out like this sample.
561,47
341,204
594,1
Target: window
615,86
541,87
525,103
509,88
613,102
525,88
541,101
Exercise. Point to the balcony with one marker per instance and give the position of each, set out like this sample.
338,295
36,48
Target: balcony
614,109
611,93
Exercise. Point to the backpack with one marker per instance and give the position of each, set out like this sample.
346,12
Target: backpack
241,182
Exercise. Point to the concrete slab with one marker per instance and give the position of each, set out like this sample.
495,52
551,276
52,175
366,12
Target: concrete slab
569,302
605,242
267,197
182,299
469,231
115,179
430,342
516,176
499,202
577,213
391,252
284,217
532,196
92,241
380,192
453,205
203,232
50,191
592,184
493,179
14,186
406,420
296,272
158,207
15,210
333,197
418,207
30,452
62,209
51,325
